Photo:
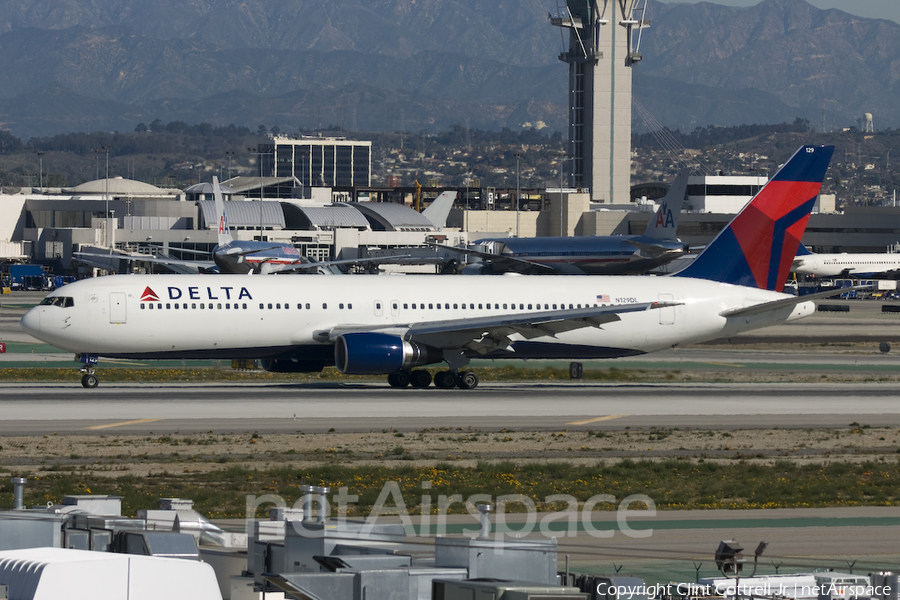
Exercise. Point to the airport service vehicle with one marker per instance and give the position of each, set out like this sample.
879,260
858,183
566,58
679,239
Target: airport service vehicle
395,325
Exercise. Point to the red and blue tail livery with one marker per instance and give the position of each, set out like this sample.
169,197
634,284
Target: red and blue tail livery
758,247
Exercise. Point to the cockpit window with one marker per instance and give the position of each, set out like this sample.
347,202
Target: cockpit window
62,301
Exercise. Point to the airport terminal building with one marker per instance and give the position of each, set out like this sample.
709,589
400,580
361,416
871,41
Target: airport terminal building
49,226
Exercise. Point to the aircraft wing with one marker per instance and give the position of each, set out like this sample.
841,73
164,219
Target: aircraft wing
509,263
654,250
191,264
310,266
484,334
791,301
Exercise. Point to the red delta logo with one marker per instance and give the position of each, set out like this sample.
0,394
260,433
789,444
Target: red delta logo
149,295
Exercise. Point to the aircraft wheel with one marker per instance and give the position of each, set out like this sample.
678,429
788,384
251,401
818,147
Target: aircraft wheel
420,378
444,380
401,379
467,380
90,381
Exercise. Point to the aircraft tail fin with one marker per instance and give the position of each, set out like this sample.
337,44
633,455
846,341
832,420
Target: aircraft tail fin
439,209
664,225
803,251
224,233
758,247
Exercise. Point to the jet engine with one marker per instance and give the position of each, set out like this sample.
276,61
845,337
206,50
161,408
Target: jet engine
379,353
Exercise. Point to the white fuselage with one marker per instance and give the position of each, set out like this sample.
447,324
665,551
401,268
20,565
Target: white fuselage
240,316
831,265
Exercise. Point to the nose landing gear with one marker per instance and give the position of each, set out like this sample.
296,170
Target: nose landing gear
88,378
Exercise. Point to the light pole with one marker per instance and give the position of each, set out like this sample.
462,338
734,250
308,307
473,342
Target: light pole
518,194
562,163
41,170
229,154
259,161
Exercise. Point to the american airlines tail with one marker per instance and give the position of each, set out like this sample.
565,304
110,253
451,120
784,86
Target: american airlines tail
224,233
758,247
665,224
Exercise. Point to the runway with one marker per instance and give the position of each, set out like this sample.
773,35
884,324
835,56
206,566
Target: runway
137,408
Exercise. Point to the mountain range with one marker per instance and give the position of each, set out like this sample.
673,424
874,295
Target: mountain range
413,65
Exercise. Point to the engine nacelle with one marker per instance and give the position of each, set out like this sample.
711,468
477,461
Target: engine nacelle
289,365
380,353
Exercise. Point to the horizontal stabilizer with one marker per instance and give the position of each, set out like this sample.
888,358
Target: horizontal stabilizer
792,301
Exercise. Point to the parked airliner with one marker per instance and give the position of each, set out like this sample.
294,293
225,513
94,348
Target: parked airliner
394,325
252,256
869,265
590,254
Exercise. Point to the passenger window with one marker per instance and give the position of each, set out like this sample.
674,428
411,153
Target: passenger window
307,306
504,307
529,307
270,306
341,306
227,305
245,305
202,306
176,306
194,305
142,306
150,306
405,306
219,305
438,305
430,305
349,307
455,307
276,306
447,306
324,305
168,306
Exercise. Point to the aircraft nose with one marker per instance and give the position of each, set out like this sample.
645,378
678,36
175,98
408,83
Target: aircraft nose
31,322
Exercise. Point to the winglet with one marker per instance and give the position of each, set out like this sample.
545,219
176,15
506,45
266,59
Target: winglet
759,245
664,225
224,233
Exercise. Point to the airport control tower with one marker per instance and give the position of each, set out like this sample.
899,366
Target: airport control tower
604,39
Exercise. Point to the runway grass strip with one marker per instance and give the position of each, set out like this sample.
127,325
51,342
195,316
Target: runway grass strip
687,484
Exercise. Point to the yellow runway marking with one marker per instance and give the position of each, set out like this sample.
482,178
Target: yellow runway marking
123,423
597,420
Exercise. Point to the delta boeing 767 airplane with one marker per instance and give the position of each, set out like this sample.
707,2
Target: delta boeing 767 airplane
395,325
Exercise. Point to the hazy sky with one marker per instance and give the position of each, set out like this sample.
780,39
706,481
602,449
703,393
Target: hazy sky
876,9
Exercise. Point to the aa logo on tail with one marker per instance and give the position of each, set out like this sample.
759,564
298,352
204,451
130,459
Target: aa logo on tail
664,217
223,224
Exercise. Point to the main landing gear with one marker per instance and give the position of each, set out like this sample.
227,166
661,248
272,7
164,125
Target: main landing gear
445,380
